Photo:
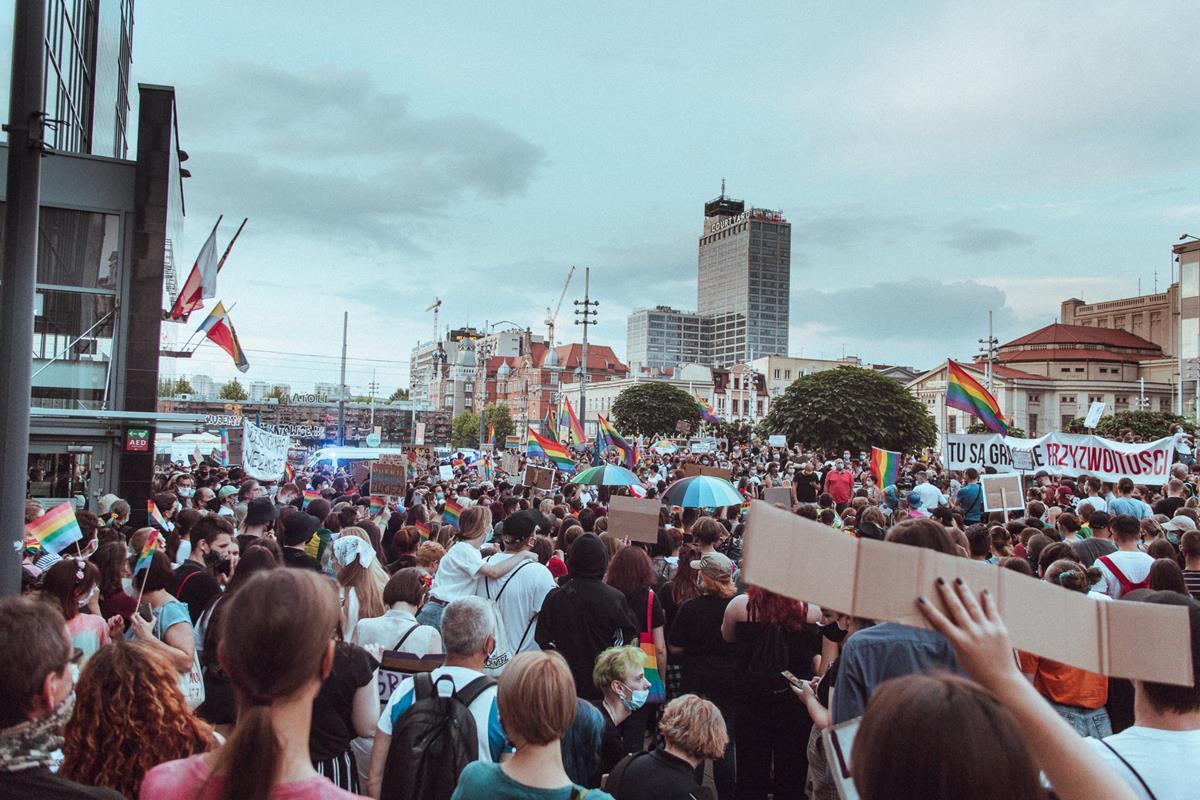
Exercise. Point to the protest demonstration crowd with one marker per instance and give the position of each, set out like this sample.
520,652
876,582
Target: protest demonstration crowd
478,637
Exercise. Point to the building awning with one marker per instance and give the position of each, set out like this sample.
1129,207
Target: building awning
85,422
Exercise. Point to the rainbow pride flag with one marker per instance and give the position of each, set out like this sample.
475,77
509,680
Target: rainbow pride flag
967,394
706,410
451,512
609,437
423,530
153,542
574,426
491,440
512,442
289,474
885,466
154,516
550,450
377,505
55,529
309,496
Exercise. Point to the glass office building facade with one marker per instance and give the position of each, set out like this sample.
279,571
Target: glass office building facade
663,337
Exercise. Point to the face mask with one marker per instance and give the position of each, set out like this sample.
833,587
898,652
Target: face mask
833,632
127,587
636,700
186,492
83,601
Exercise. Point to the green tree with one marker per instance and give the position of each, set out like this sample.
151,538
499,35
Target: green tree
1148,425
464,431
500,416
736,430
233,391
277,393
399,394
653,408
851,408
979,427
183,386
166,388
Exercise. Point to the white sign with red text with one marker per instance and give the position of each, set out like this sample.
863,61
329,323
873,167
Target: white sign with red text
1069,454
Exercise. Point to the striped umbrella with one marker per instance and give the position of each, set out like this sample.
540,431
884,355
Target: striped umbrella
607,475
664,447
702,491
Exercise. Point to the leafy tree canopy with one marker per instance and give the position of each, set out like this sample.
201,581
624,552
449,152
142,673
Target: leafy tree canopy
233,391
653,408
1147,425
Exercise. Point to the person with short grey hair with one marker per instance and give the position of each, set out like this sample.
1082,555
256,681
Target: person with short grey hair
467,624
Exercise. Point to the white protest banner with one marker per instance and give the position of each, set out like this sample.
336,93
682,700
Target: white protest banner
1069,454
777,440
1094,414
263,454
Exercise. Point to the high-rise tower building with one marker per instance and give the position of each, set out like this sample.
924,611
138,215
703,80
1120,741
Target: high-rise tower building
745,260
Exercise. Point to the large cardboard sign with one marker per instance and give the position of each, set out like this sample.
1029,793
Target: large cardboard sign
510,463
263,454
690,469
799,558
538,477
389,475
634,518
1068,454
779,494
1002,492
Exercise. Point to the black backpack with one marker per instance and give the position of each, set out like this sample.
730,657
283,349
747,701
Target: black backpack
432,741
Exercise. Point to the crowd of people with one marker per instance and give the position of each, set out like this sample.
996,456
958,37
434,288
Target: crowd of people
478,638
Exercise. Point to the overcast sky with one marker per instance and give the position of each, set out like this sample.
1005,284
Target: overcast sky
936,160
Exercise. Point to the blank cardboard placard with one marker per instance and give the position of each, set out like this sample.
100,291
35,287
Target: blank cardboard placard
786,555
446,472
690,470
538,477
796,557
1000,488
634,518
779,494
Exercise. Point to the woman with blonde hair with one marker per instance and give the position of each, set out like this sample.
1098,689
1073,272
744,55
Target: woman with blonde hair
361,592
537,703
129,717
693,730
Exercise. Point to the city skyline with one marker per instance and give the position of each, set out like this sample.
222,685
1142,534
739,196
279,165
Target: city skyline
942,160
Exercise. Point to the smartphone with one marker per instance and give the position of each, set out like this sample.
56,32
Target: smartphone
145,613
792,679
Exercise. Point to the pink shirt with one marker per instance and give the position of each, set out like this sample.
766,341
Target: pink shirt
185,777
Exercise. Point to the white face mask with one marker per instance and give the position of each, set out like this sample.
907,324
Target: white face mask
83,601
186,492
127,587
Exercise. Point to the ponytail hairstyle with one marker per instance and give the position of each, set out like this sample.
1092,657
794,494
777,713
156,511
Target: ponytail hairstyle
474,522
1072,575
276,639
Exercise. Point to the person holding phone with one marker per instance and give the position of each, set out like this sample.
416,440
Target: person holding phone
162,621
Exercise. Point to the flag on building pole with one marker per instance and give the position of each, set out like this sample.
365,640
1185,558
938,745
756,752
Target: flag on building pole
201,282
219,328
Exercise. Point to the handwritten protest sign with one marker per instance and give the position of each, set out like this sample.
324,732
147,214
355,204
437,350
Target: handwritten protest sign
1068,454
389,475
263,454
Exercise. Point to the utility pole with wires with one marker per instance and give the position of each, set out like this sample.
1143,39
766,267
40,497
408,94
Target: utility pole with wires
342,384
372,388
585,309
987,349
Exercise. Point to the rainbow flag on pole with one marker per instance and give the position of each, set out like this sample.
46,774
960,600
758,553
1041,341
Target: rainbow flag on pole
377,504
153,542
967,394
885,466
706,410
289,474
154,516
55,529
309,496
423,531
553,451
609,437
574,426
451,512
491,440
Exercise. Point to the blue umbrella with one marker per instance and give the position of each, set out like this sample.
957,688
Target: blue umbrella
702,491
607,475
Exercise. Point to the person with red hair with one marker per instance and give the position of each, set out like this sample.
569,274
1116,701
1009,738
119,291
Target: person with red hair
772,633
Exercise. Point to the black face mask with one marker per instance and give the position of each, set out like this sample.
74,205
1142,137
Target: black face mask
213,561
833,632
213,505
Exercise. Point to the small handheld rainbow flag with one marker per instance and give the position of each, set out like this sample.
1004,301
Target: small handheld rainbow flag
153,542
55,529
289,474
574,426
309,496
423,530
451,512
154,516
377,505
553,451
885,466
491,440
706,410
967,394
610,438
512,442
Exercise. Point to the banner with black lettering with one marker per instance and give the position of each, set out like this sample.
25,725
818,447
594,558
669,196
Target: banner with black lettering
1069,454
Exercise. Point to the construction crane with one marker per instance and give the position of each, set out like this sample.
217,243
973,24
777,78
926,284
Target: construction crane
552,317
437,304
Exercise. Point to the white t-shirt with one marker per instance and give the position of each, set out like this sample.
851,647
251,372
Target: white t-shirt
458,573
484,709
931,498
1168,761
521,594
387,630
1097,503
1134,565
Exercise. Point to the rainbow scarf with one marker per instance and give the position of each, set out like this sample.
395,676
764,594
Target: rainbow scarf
706,410
574,426
153,542
451,512
885,466
967,394
55,529
154,516
309,496
553,451
610,438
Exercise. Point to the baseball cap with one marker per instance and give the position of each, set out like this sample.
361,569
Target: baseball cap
226,491
715,566
1180,523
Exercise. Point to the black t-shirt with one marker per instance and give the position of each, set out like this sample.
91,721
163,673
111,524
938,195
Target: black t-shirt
708,660
638,604
656,775
194,585
1168,506
612,741
293,557
1090,549
42,784
807,486
332,717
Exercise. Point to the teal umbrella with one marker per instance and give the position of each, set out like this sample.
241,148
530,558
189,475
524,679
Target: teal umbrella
702,491
607,475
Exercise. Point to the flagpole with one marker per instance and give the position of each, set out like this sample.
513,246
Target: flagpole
229,246
195,266
202,338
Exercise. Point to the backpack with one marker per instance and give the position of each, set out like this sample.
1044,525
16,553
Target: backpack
1127,585
503,653
432,741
